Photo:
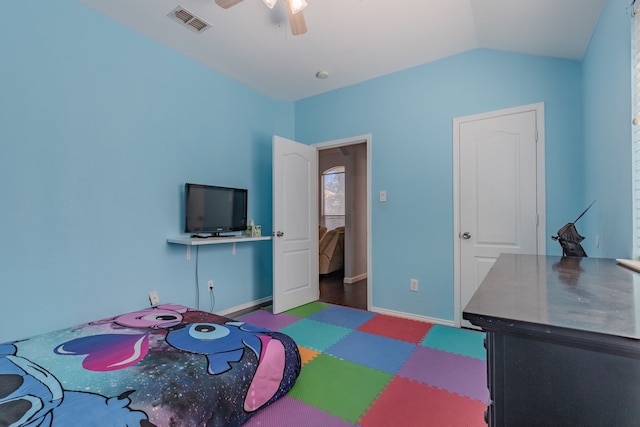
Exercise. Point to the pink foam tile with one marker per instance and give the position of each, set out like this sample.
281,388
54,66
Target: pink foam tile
289,412
408,403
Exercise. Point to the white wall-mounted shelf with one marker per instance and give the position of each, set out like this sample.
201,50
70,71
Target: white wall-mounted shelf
195,241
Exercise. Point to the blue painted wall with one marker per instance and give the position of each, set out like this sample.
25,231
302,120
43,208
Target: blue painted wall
100,129
410,116
607,135
99,132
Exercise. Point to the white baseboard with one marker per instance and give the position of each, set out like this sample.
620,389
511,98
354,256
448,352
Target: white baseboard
402,314
414,316
241,307
355,279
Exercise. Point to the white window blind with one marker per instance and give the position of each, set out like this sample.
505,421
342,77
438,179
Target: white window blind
333,198
635,46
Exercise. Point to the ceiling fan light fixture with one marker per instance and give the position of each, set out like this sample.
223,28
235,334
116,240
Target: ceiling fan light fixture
270,3
296,22
296,6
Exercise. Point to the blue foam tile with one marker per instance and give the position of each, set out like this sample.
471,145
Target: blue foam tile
315,335
459,341
342,316
374,351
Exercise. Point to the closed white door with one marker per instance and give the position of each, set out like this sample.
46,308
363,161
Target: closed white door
295,224
498,194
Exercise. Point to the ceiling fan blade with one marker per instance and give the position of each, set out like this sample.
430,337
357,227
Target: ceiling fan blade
297,23
226,4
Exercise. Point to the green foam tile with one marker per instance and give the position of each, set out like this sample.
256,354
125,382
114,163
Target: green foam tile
342,388
307,310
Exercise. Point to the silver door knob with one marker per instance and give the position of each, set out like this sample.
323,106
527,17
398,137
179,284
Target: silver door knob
466,235
279,234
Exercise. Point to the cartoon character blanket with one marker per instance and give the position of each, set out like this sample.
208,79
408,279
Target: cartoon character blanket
163,366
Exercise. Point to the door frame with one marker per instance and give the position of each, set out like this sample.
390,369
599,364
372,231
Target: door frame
538,108
366,139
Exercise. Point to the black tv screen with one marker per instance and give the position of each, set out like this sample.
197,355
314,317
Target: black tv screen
213,210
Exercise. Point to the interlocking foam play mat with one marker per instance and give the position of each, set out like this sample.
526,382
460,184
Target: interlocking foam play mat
366,369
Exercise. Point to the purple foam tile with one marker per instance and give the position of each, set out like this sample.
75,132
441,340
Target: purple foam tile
268,320
463,375
289,412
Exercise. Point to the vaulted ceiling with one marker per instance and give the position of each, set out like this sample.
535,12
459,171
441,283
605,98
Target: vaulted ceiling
355,40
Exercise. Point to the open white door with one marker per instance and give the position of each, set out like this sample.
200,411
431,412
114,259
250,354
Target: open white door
295,224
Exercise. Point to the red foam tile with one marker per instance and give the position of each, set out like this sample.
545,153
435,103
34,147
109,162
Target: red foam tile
410,404
408,330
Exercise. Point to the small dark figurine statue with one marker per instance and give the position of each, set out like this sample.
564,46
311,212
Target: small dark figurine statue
570,239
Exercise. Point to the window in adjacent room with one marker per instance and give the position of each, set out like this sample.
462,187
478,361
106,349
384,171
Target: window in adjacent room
333,197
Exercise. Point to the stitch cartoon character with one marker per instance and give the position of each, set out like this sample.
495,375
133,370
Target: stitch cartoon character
31,396
98,411
224,344
27,392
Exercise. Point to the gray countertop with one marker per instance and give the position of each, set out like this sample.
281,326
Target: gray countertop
559,295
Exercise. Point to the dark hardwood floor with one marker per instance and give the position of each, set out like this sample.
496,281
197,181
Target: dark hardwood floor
334,291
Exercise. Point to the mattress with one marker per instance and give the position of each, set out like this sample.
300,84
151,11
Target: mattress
167,365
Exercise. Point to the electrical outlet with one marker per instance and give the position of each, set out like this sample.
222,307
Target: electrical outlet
414,285
210,285
154,299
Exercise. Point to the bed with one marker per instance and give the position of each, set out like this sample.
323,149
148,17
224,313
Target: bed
167,365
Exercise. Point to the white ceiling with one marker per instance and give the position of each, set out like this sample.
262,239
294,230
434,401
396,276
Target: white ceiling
355,40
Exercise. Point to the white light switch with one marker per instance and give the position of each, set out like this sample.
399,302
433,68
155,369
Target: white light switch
383,196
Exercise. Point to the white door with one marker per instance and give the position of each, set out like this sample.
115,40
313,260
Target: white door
295,224
498,193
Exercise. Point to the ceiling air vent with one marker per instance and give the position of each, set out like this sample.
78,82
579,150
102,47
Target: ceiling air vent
188,19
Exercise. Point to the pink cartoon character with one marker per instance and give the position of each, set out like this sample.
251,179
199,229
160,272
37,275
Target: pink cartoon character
161,316
106,352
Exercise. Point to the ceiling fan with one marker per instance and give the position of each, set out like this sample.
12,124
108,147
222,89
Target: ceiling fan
294,12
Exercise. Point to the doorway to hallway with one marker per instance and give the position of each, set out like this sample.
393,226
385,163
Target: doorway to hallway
345,251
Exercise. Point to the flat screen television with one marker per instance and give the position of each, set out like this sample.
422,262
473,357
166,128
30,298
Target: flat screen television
211,210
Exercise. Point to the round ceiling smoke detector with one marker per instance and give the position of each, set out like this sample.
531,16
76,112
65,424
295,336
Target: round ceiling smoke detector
322,74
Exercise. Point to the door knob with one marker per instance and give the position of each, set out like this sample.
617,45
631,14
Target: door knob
466,235
279,234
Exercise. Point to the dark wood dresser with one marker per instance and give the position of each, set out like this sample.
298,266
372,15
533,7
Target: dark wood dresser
563,341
